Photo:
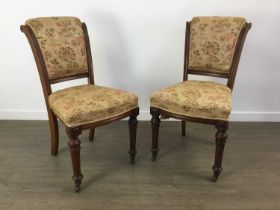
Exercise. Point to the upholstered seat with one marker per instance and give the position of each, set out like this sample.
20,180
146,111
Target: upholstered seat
200,99
90,103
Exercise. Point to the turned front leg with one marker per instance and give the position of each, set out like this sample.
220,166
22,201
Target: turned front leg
132,122
74,147
155,122
221,137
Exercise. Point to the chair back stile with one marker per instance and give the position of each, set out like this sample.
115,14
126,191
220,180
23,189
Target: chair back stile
228,73
236,58
40,63
89,56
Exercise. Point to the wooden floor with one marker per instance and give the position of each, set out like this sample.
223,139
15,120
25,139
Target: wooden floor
30,178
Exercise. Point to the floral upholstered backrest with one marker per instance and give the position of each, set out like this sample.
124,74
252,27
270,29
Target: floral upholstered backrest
62,43
213,42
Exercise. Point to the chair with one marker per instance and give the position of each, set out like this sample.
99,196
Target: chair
62,52
213,47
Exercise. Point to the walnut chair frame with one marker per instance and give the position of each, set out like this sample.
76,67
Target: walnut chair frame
221,126
74,132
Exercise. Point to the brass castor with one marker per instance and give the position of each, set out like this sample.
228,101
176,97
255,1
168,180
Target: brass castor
77,188
216,174
132,156
154,154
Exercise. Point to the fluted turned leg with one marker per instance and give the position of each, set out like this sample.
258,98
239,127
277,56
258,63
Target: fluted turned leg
183,125
155,121
221,137
74,147
91,134
132,122
54,133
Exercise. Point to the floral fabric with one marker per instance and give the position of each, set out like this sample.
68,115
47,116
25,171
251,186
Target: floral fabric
213,42
62,43
195,99
90,103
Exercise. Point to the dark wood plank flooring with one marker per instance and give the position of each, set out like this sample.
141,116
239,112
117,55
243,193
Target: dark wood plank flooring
30,178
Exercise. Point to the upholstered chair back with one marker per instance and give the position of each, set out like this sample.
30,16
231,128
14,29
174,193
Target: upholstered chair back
62,43
212,43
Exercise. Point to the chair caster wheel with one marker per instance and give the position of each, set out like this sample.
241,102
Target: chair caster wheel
216,175
77,188
132,160
214,178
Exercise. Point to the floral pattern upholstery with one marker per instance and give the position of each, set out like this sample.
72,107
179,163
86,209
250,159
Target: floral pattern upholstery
90,103
62,43
213,42
200,99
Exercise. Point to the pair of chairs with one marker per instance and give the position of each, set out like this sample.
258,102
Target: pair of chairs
62,52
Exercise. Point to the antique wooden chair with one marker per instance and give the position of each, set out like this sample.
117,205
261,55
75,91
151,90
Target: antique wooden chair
213,47
62,52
